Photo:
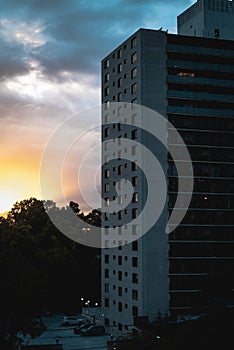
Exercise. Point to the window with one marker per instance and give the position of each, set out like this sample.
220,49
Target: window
134,278
134,229
120,169
107,91
134,134
119,54
120,291
106,118
134,148
107,104
119,275
120,67
106,259
107,173
120,327
120,96
119,111
134,294
135,246
107,132
216,33
106,288
134,57
120,260
134,166
106,302
120,82
106,273
133,42
119,127
107,187
134,213
135,197
134,119
107,77
120,306
134,73
134,311
134,101
134,261
106,145
107,63
134,181
120,215
133,88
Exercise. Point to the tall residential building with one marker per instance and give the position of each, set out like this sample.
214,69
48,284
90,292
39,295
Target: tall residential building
190,81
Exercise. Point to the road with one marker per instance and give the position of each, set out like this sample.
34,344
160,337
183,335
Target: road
68,339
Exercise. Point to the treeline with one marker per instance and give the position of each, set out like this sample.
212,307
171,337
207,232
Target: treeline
39,266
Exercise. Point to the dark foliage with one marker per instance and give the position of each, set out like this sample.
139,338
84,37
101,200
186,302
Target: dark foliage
40,267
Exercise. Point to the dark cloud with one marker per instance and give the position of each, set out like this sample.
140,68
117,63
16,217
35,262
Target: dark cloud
79,33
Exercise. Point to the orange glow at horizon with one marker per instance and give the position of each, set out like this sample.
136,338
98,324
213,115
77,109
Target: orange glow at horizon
18,181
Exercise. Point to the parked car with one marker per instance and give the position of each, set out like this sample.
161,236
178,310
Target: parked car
79,329
93,330
71,321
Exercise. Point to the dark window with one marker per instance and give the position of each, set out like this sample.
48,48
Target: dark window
120,306
133,42
106,302
135,245
120,260
134,294
134,213
134,311
120,291
106,259
216,33
134,134
134,278
134,262
120,275
107,91
119,82
106,273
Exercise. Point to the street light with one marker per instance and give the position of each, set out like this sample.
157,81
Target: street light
96,304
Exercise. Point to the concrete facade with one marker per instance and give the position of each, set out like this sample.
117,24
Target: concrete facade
209,19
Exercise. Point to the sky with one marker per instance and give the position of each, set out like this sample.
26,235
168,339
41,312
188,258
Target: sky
50,54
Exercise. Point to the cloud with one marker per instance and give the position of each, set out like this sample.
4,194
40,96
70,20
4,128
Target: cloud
50,64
